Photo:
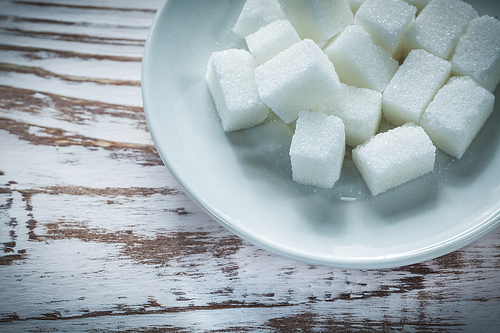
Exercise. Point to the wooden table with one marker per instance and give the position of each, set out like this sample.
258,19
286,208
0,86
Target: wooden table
95,235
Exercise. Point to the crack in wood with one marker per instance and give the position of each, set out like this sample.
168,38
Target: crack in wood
68,230
179,211
145,155
145,309
165,329
156,251
18,19
417,269
92,191
5,190
453,260
67,54
74,110
305,321
79,38
10,258
59,137
85,7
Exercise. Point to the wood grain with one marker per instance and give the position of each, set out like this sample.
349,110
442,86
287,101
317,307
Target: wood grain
96,235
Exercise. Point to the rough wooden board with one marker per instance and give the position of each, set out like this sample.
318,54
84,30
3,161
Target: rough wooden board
85,251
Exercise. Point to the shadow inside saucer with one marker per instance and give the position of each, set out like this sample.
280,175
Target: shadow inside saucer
410,199
264,152
477,158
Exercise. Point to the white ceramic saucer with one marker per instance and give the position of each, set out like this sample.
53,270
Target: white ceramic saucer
243,179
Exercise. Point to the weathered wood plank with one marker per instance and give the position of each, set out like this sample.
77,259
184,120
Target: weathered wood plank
207,259
43,73
80,12
193,269
214,270
96,235
50,118
93,31
40,52
129,95
125,5
79,30
108,50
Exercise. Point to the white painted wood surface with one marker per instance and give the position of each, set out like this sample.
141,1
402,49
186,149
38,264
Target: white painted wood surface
96,236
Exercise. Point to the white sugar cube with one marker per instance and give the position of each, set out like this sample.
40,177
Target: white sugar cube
439,26
394,157
413,86
230,79
360,109
256,14
386,21
456,114
299,78
359,61
318,20
317,149
478,52
271,39
419,4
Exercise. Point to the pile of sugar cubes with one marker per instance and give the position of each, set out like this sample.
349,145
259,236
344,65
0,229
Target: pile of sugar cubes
337,69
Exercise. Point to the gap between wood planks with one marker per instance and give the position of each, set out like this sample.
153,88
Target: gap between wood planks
69,54
61,138
82,38
73,6
4,67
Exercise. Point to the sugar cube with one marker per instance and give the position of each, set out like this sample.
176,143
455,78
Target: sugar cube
256,14
359,61
439,26
478,52
456,114
386,21
317,149
318,20
413,87
230,79
359,108
394,157
299,78
419,4
271,39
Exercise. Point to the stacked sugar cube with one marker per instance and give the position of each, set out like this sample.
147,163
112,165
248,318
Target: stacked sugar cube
256,14
230,78
439,26
386,21
359,61
318,20
419,4
271,39
359,108
413,87
299,78
478,52
338,69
